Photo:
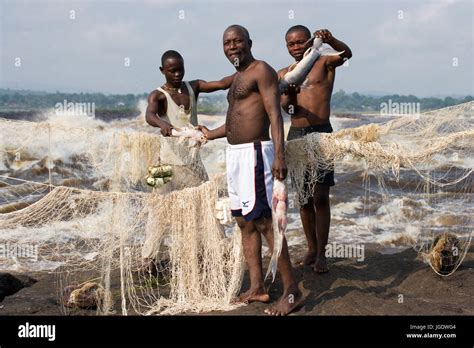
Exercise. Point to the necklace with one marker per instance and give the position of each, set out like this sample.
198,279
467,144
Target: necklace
172,88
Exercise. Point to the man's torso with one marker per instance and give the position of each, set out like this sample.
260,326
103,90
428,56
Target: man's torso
247,120
314,99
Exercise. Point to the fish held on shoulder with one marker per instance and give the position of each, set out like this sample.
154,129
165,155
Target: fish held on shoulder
298,72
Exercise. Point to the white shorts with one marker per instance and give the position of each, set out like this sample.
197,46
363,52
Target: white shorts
249,179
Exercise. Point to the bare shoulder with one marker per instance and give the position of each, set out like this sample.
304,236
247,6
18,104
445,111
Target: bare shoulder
264,66
320,66
155,96
264,69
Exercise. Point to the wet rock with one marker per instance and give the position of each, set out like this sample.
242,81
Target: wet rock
10,284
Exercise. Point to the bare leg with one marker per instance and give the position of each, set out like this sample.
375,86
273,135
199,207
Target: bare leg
252,247
292,297
323,220
308,217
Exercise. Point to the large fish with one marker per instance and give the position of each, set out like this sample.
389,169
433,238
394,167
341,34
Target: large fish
279,222
196,136
298,71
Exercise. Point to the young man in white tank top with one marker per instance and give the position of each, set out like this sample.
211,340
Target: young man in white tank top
174,105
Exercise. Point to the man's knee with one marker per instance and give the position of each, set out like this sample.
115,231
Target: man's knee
241,222
263,224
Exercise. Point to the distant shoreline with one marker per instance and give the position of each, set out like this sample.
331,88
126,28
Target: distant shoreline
129,105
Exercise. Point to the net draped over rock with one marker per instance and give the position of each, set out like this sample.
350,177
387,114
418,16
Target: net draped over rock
435,146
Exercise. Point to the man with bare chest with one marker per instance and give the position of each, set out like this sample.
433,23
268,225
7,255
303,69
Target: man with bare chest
309,108
252,161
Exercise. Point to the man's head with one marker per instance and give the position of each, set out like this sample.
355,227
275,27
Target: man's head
237,44
296,37
172,66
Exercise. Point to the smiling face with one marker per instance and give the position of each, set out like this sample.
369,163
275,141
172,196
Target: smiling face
173,69
236,46
295,42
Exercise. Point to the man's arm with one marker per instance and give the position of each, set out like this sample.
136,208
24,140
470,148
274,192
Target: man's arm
267,81
212,134
211,86
289,98
338,45
151,115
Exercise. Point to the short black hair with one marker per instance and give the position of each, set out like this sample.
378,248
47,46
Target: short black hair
241,28
298,28
170,54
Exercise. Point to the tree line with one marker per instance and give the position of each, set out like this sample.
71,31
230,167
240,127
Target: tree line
208,104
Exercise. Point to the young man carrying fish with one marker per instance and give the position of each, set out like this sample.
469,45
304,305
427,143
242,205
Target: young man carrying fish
252,162
309,108
175,103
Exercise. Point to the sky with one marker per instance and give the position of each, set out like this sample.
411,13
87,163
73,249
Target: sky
418,47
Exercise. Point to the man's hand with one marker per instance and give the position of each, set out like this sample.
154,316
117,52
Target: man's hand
165,128
292,90
336,44
205,131
279,169
325,35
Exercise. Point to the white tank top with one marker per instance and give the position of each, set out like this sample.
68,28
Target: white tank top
178,116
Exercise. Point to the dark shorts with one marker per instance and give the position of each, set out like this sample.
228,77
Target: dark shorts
300,132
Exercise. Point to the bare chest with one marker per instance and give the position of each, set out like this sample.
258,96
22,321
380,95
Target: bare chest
319,75
242,87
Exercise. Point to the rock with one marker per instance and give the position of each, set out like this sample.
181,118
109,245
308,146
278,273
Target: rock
85,296
10,284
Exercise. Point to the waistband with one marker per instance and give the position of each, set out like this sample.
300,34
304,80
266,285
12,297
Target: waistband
323,128
250,145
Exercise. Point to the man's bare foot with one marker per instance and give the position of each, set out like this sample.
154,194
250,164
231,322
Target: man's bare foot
252,296
309,259
321,265
291,300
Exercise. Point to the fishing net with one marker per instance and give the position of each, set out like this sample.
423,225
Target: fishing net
93,212
423,161
78,194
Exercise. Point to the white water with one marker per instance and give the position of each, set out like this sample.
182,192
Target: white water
389,222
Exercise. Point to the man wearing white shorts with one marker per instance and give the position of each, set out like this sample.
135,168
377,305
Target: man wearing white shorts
250,179
252,162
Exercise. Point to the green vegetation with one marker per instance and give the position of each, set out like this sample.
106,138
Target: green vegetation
108,106
355,102
30,100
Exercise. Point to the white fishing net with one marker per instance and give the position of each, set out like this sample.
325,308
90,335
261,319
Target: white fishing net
79,195
424,160
95,213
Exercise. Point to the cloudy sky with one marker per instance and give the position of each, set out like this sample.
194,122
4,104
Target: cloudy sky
416,47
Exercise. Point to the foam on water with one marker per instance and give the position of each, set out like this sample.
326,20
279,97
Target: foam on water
345,209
